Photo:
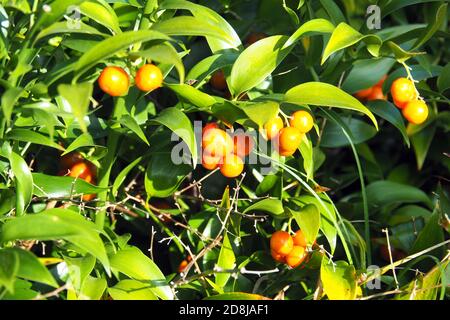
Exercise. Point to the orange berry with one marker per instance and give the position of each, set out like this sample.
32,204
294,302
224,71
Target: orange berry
81,170
69,160
302,120
289,140
89,197
217,142
232,166
218,81
363,94
403,91
211,125
210,162
243,145
182,266
281,242
400,105
299,239
278,257
148,78
273,127
416,112
296,256
114,81
377,94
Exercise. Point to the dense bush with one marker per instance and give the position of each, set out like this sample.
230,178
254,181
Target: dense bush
111,187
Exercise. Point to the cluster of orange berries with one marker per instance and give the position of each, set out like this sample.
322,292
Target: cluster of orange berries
75,166
373,93
219,149
287,249
404,95
288,139
115,81
406,98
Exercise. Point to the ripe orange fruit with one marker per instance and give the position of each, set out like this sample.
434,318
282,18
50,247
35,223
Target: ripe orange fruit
243,144
218,81
273,127
278,257
416,112
254,37
296,256
363,94
182,266
217,142
377,94
211,125
149,77
114,81
232,166
70,159
81,170
288,141
403,91
281,242
299,239
88,197
302,120
210,162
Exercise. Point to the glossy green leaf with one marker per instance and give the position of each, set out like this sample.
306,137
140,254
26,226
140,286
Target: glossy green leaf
131,290
345,36
237,296
100,13
431,234
123,175
193,96
65,28
324,94
26,135
421,142
312,26
226,261
57,224
134,264
256,63
78,98
308,219
307,152
443,81
31,268
338,280
382,193
24,182
8,100
62,187
83,140
131,124
179,123
272,206
9,266
260,112
92,288
210,64
332,136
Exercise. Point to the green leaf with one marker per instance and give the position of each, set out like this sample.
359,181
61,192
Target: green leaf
256,63
324,94
163,177
123,175
307,152
31,268
78,97
441,16
394,5
236,296
210,64
9,100
193,96
83,140
382,193
58,10
390,113
443,81
345,36
130,123
308,219
408,213
24,182
272,206
431,234
206,14
226,261
191,26
338,280
101,14
312,26
113,45
62,187
65,28
92,288
26,135
165,53
57,224
332,136
260,112
179,123
131,290
134,264
421,142
9,266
